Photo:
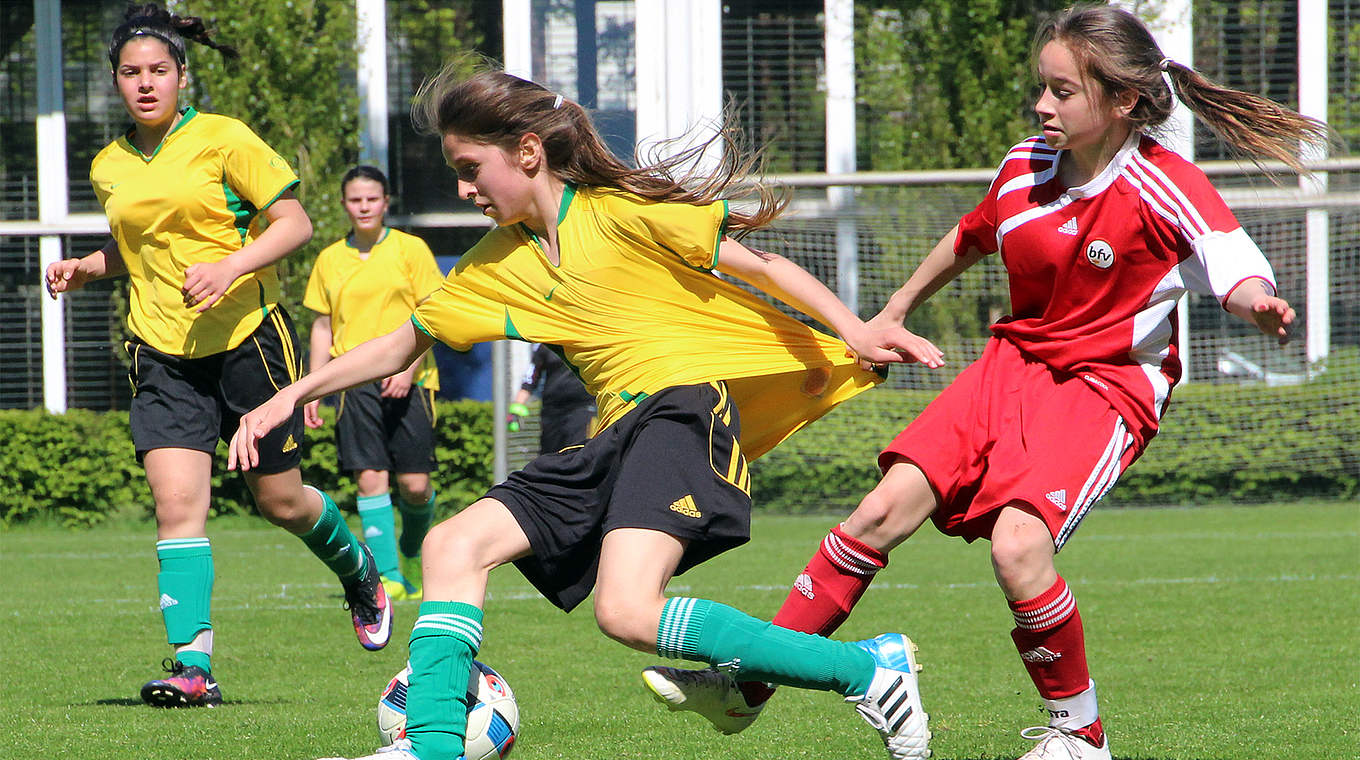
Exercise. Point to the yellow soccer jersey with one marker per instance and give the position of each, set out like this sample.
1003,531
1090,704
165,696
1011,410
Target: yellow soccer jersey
193,200
369,297
636,309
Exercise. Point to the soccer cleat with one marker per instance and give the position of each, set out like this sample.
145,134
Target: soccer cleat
398,750
892,705
396,590
708,692
412,573
1057,744
189,686
369,607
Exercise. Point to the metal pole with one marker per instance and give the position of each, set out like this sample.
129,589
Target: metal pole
52,190
371,16
679,73
840,142
1313,36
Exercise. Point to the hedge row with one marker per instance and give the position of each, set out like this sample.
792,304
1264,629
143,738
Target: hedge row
1218,443
79,467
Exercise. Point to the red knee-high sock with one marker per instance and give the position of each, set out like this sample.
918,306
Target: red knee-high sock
825,592
1050,640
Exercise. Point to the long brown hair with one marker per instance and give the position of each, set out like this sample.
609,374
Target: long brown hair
1116,50
496,108
151,20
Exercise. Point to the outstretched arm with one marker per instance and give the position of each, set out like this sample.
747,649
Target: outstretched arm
72,274
1253,301
790,283
939,267
377,358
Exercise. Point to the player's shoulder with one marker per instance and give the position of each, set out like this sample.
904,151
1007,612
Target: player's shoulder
495,245
332,250
1153,158
1029,156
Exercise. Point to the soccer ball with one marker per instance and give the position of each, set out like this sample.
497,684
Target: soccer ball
493,714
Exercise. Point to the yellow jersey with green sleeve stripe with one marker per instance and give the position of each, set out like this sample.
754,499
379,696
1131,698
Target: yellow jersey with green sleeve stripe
193,200
372,294
634,308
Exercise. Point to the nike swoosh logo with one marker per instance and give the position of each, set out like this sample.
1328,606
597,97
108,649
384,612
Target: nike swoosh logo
384,624
549,296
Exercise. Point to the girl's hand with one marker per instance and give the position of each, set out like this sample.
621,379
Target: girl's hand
396,386
205,283
889,345
65,276
243,452
311,414
1273,316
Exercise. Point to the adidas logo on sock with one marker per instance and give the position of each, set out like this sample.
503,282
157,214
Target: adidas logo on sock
168,601
372,531
1069,227
1059,498
1041,654
685,505
803,585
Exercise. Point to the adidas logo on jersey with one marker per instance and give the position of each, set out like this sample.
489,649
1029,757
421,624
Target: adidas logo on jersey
1069,227
168,601
289,444
1058,497
685,505
803,585
1041,654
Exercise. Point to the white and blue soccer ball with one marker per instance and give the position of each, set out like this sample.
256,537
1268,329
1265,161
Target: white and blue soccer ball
493,714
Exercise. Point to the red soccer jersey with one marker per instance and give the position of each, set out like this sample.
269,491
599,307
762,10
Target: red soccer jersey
1095,271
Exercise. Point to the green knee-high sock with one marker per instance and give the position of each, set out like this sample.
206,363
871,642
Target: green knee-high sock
754,650
444,640
380,533
331,541
415,523
186,583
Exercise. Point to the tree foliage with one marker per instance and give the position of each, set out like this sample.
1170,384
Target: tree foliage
293,85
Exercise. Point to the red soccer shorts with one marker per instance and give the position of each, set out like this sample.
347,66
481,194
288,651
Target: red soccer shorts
1010,429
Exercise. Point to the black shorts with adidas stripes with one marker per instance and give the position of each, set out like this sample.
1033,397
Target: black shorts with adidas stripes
192,403
388,434
673,464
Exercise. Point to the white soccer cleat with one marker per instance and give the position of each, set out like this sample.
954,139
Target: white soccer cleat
398,750
892,705
708,692
1057,744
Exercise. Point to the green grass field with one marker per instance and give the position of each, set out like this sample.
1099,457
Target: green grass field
1217,633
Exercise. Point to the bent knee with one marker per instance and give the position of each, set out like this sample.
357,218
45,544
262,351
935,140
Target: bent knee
627,623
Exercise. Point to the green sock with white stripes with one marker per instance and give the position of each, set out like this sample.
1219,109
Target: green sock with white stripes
333,543
444,640
754,650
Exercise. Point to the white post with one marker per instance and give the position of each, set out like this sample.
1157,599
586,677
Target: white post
840,142
52,201
679,72
517,42
1313,102
371,17
517,37
1173,29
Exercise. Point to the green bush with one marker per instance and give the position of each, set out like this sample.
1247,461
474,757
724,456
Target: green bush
79,468
1240,443
1243,443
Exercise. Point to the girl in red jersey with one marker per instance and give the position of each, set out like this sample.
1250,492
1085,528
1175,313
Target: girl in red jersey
1101,230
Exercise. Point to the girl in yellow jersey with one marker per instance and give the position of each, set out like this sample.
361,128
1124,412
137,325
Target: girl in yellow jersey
182,191
363,286
694,376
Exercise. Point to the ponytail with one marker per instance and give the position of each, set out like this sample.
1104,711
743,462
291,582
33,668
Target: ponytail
495,108
1117,51
151,20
